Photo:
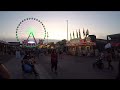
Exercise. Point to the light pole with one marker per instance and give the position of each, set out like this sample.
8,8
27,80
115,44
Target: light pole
47,37
67,30
67,34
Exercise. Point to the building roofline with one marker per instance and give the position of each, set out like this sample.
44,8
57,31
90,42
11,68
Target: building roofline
114,34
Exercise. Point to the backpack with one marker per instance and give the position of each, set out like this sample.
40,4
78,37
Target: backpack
27,68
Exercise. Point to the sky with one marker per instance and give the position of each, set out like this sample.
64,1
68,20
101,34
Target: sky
99,23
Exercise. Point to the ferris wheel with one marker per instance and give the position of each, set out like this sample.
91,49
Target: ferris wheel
30,29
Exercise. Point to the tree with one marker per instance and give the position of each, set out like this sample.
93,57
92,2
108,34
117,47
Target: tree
51,44
64,41
62,44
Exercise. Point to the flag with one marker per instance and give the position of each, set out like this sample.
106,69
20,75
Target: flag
76,33
79,34
73,35
47,34
83,32
70,36
87,32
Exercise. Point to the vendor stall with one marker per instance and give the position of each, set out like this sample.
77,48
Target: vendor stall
80,47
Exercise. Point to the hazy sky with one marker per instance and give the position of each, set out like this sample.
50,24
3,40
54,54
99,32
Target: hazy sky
100,23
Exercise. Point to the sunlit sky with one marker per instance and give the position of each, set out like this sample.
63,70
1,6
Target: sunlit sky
99,23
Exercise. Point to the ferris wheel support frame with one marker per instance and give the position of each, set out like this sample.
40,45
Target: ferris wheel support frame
33,38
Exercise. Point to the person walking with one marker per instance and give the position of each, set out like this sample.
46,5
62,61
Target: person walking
109,59
60,54
54,61
118,76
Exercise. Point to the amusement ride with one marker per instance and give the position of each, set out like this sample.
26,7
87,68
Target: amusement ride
28,29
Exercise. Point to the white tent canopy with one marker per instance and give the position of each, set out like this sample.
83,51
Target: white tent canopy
108,46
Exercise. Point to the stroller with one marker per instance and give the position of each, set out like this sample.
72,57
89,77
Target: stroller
27,66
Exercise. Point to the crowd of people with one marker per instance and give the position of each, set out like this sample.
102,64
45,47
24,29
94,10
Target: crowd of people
29,56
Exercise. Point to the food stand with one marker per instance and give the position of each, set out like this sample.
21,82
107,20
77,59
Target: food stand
80,47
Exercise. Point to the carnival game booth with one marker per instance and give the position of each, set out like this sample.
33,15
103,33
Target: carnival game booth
81,47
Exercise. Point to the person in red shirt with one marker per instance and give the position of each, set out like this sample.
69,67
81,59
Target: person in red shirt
54,61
